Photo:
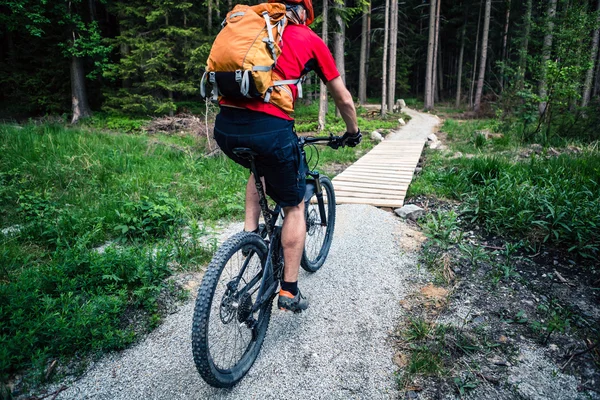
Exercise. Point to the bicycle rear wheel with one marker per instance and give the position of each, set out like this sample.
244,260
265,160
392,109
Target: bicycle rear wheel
319,235
223,345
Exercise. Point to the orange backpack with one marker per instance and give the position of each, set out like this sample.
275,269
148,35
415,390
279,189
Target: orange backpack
244,54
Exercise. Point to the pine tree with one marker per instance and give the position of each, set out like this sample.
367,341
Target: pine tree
163,45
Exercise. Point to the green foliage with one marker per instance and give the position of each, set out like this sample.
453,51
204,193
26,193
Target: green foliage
60,189
306,120
442,229
74,301
120,123
545,200
149,218
553,317
162,62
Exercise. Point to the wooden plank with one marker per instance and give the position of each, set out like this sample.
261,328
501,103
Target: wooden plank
368,185
373,202
388,160
372,178
381,171
410,167
370,196
349,193
354,188
358,178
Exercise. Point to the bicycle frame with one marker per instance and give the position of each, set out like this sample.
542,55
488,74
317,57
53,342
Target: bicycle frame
273,273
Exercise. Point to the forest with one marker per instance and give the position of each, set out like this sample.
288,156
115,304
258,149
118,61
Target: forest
535,63
99,208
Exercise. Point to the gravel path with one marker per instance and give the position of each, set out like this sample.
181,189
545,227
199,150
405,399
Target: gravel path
418,128
337,349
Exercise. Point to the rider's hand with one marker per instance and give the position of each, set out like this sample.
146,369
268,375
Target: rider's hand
351,139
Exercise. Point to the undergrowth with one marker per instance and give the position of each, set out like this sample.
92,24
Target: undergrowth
546,199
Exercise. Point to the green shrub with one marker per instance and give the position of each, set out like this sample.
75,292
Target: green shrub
150,218
75,302
546,201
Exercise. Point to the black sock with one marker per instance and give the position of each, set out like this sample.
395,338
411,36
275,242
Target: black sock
291,287
254,231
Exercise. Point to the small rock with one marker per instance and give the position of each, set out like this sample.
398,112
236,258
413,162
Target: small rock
432,138
412,395
11,230
499,361
418,170
401,121
553,347
528,302
410,211
401,103
376,136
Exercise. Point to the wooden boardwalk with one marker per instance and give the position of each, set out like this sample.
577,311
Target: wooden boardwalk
381,177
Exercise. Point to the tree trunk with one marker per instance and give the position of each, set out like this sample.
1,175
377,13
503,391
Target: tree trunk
484,48
338,43
393,52
218,11
323,89
475,58
460,65
368,38
209,5
362,68
504,41
429,66
597,81
546,51
525,44
434,85
385,53
79,101
587,87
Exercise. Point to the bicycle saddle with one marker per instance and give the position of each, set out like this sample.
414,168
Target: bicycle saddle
245,152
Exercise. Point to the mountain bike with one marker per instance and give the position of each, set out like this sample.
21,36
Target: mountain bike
234,302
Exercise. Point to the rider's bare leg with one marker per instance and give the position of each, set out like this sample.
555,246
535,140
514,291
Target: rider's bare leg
293,234
252,205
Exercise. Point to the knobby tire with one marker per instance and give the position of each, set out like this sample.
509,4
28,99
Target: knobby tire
318,237
215,313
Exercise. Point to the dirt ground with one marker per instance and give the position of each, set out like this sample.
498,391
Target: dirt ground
505,326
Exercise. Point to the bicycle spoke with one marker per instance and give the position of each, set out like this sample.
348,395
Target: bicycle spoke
227,336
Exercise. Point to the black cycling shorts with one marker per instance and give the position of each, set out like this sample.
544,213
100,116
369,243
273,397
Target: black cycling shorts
279,155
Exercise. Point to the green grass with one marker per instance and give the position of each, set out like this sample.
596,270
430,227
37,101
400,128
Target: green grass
307,120
545,200
64,192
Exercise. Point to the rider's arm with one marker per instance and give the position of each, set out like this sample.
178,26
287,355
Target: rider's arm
343,101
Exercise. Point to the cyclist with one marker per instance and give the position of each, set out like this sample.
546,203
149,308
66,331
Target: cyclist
269,131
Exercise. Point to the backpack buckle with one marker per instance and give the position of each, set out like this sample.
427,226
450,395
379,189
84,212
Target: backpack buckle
238,75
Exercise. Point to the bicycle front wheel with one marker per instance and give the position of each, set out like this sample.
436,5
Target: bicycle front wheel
226,335
319,234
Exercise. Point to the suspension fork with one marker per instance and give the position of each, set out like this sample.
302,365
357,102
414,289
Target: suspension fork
319,193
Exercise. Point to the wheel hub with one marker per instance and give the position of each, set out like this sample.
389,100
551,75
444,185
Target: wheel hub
311,223
229,306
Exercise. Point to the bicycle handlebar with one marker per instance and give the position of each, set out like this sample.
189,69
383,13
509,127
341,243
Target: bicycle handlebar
304,140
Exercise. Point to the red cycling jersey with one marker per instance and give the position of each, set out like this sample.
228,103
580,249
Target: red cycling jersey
302,51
